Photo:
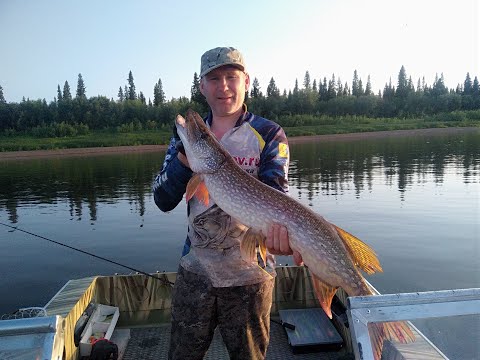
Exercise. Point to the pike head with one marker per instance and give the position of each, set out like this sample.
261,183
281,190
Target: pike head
204,152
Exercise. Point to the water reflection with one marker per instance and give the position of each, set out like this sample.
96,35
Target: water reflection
83,182
329,168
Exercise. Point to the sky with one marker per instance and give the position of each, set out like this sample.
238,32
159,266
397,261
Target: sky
45,43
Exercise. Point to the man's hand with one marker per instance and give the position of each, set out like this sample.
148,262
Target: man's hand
183,159
278,244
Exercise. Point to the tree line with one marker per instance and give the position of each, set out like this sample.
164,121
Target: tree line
71,115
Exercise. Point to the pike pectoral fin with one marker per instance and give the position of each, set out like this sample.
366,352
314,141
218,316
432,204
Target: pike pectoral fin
362,254
196,186
249,244
324,294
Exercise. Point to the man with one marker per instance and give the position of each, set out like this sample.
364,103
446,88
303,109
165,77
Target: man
215,286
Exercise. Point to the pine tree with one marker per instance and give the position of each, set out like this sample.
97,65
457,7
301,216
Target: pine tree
368,87
81,91
295,89
121,97
438,87
355,87
67,95
331,90
402,85
255,93
339,87
59,94
389,90
467,85
132,95
161,93
314,86
2,97
306,81
156,102
195,94
158,94
141,97
410,87
476,88
361,92
323,90
272,89
419,87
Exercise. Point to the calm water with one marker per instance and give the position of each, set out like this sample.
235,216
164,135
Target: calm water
415,200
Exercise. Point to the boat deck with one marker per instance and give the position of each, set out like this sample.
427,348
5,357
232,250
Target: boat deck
152,343
144,304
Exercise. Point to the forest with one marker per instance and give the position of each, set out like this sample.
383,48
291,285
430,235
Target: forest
313,103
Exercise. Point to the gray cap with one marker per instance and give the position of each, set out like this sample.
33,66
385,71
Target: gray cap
221,56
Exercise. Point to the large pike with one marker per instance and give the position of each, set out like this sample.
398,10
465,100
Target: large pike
333,256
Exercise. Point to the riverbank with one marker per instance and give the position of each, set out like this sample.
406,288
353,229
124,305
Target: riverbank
19,155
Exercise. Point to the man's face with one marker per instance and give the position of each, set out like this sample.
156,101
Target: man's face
224,88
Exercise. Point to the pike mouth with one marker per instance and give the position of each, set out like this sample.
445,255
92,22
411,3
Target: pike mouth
181,121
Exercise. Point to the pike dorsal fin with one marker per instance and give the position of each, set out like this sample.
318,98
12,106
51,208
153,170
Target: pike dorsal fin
362,254
196,186
325,294
249,244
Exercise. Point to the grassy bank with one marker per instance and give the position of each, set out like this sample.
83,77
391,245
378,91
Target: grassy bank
92,139
297,125
375,126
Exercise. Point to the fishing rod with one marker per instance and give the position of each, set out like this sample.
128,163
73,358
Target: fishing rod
16,228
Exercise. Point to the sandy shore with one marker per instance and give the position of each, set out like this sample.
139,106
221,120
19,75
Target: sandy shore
18,155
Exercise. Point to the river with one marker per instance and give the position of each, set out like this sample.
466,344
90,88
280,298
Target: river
414,199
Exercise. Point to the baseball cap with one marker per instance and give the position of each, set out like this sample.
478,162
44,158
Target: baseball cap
221,56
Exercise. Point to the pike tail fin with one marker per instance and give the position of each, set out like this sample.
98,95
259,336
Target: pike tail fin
365,258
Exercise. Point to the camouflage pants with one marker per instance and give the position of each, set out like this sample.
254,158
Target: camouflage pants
242,314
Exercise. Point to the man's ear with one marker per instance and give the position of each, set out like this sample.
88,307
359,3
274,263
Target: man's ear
201,87
247,81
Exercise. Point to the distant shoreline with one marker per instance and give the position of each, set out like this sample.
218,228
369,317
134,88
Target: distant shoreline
19,155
